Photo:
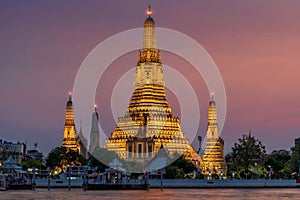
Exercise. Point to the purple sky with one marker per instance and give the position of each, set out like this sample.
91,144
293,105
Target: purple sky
255,44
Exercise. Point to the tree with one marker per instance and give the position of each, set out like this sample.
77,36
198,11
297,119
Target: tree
28,162
4,153
96,164
60,157
247,152
292,166
179,168
277,161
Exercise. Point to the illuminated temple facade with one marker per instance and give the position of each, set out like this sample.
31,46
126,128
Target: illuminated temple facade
148,123
213,162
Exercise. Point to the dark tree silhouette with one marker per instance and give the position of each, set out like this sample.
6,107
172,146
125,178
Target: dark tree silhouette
247,152
60,157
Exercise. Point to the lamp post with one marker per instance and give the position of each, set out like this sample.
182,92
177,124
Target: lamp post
70,171
146,174
49,175
33,178
161,178
85,179
298,168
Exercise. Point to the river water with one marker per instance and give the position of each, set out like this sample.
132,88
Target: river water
169,194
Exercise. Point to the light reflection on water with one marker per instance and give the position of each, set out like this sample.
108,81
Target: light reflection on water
216,194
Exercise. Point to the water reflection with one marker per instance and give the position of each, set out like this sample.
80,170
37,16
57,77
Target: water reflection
181,194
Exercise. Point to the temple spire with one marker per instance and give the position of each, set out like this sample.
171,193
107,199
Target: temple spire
69,140
95,134
149,52
149,32
213,159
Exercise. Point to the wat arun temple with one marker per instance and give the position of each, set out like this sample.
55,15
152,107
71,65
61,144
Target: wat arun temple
148,123
149,128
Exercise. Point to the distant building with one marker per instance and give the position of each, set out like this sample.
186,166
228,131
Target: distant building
297,143
16,150
213,162
35,154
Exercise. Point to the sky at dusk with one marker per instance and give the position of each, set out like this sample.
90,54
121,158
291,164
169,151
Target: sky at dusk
255,44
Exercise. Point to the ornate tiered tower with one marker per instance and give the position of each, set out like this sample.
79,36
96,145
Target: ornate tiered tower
213,158
95,134
148,123
69,140
76,143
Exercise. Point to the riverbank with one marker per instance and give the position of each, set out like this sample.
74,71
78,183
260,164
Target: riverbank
178,183
199,183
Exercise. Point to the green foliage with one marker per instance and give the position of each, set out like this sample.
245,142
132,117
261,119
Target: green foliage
277,161
4,153
179,168
292,166
171,171
95,163
60,157
247,152
179,174
30,163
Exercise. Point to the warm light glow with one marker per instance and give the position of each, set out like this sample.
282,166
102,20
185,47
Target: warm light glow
95,105
70,93
149,12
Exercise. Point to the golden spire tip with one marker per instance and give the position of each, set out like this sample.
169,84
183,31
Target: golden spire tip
149,11
70,95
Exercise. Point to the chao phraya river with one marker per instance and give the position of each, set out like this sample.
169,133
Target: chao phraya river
170,194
